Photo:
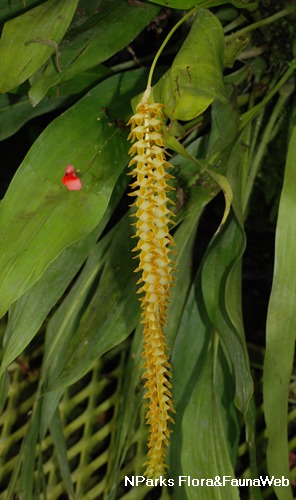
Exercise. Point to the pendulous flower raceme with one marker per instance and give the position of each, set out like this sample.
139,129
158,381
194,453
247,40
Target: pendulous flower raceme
150,186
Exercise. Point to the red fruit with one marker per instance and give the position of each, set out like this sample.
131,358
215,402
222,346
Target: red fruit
70,180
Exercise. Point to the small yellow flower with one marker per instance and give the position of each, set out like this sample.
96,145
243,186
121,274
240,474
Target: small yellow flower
150,171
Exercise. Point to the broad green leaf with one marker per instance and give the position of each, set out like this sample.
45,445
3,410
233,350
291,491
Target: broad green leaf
191,343
112,313
195,79
39,217
99,30
189,349
189,352
204,444
63,326
29,40
27,314
15,112
281,330
80,82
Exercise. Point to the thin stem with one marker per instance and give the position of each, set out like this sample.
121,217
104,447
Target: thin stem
249,115
262,22
234,24
167,38
266,138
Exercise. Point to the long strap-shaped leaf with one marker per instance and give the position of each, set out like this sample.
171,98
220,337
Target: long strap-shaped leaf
281,329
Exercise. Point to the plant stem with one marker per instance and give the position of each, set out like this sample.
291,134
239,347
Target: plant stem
266,138
251,113
167,38
262,22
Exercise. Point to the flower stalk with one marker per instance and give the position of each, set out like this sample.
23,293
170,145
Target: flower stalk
153,217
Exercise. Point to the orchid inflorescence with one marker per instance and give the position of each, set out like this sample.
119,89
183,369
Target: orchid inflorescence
153,217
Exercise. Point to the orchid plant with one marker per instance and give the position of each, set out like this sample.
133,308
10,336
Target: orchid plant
195,117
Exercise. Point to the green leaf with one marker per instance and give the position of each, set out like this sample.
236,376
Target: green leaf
233,47
221,286
281,330
29,40
112,313
80,82
204,445
99,30
130,407
56,431
188,358
38,207
224,130
195,79
221,272
63,325
27,314
193,341
27,456
4,387
184,239
14,113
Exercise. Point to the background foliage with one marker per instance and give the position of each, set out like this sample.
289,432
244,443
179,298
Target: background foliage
72,424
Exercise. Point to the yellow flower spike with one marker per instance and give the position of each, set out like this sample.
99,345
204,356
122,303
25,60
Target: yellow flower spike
150,177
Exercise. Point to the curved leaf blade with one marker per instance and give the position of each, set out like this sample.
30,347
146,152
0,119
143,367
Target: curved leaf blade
112,313
14,115
104,29
221,286
196,76
39,217
281,330
204,445
28,313
29,40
